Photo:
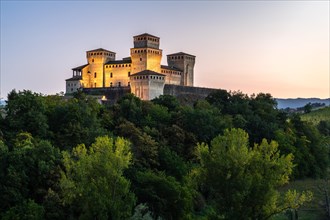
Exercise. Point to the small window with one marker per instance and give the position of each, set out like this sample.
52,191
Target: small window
95,85
140,59
129,74
129,83
110,75
119,84
92,60
111,84
95,75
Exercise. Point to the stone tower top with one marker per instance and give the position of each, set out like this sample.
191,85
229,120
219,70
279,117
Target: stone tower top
146,40
100,56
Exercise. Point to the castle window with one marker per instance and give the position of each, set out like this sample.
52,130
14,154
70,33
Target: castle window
126,65
129,74
119,84
92,60
140,59
95,85
110,75
95,75
129,83
111,84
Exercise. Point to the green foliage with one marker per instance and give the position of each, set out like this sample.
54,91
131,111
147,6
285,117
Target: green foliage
29,170
165,196
26,112
311,149
227,176
318,115
144,148
25,211
74,122
242,182
93,183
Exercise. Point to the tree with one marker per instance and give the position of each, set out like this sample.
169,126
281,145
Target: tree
242,182
93,184
26,113
308,108
144,147
27,210
75,121
165,196
28,172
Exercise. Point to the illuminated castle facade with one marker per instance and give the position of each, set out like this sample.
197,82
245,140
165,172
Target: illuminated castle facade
142,71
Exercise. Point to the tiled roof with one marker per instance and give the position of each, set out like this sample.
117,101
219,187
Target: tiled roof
170,68
147,73
99,49
75,78
180,53
146,34
80,67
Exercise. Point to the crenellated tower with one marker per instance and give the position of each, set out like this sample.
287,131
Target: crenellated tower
185,62
95,74
146,54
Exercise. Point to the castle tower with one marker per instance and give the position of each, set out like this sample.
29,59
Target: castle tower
94,76
147,84
146,54
184,62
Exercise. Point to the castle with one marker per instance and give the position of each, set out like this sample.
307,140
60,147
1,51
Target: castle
142,72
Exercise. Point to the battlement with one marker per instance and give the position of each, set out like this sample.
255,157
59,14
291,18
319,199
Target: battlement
146,41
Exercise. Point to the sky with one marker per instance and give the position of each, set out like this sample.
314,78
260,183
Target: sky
277,47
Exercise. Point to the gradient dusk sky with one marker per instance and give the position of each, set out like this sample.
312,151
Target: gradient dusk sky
277,47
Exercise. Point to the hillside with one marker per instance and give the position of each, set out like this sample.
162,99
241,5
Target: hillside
316,116
299,102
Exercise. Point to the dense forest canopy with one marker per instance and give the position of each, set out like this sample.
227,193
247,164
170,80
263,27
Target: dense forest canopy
223,157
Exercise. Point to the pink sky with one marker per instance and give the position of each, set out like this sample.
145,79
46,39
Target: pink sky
280,47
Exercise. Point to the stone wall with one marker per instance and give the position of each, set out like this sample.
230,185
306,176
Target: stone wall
189,91
112,94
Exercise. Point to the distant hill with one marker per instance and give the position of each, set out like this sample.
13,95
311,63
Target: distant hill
299,102
2,102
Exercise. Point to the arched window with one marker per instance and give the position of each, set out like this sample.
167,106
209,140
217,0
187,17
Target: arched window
110,75
110,84
95,75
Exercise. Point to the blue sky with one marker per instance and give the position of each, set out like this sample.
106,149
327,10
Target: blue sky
280,47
